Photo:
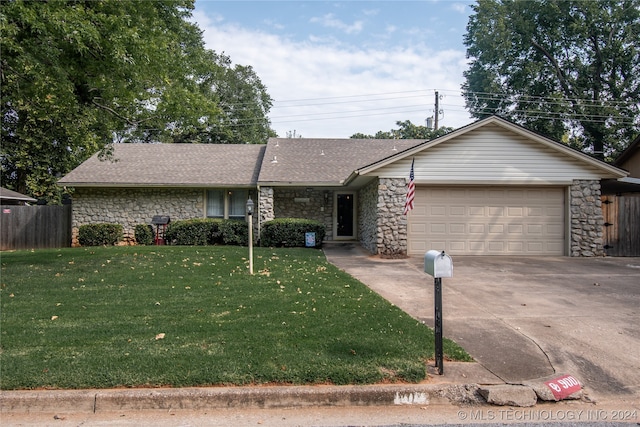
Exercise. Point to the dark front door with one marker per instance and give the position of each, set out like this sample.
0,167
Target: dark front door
344,218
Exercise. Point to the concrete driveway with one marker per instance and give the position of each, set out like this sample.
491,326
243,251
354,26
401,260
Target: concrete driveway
525,318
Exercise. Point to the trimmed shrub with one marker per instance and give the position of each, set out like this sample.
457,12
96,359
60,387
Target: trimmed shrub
144,234
234,232
103,234
290,232
194,232
207,231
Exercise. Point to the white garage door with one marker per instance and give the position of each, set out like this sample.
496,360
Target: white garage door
488,221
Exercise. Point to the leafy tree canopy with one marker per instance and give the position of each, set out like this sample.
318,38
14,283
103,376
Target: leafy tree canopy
406,130
569,69
78,75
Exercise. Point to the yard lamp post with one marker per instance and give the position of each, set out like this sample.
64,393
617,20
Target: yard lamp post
250,219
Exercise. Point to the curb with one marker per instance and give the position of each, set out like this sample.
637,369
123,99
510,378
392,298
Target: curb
93,401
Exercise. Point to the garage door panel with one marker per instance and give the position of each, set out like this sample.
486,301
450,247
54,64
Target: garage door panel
515,229
493,220
539,211
515,247
555,247
556,229
496,246
437,210
517,212
418,246
419,210
535,247
496,229
535,229
438,228
555,212
476,246
476,228
457,210
419,228
458,228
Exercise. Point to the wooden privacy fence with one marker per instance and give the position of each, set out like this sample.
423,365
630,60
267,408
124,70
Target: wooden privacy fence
35,227
621,224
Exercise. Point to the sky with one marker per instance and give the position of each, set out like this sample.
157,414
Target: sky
336,68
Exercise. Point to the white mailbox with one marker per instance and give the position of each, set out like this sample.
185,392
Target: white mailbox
438,264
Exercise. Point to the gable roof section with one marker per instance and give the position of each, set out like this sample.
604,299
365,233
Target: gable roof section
306,161
173,165
494,146
10,195
629,152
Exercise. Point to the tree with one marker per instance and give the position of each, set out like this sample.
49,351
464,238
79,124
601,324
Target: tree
406,130
567,69
78,75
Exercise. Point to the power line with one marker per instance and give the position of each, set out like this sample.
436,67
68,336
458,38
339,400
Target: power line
359,99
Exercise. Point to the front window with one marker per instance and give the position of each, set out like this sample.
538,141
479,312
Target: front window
215,204
238,203
227,203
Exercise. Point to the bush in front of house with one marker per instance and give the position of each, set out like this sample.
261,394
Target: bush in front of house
103,234
207,231
193,232
290,232
234,232
143,234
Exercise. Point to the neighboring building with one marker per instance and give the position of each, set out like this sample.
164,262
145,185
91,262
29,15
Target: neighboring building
10,197
621,206
490,188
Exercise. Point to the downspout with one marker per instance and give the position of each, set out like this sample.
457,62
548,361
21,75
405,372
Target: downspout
259,212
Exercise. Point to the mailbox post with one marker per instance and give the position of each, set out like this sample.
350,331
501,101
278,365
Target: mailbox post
250,220
438,264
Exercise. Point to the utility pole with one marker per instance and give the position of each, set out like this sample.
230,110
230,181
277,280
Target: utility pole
435,116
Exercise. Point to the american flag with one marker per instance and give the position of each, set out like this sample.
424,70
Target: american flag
411,191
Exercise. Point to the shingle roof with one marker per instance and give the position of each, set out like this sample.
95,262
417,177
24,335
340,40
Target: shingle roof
6,194
330,161
628,152
171,165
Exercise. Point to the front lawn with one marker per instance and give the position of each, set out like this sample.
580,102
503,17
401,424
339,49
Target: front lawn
193,316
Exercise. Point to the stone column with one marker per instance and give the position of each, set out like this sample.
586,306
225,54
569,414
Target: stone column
586,219
392,224
265,204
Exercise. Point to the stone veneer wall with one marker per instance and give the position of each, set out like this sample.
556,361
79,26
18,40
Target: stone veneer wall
317,208
391,223
368,216
133,206
587,220
265,204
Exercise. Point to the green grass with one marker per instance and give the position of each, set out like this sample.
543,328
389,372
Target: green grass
91,318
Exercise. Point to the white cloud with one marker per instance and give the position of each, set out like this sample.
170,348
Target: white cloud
459,7
329,89
330,21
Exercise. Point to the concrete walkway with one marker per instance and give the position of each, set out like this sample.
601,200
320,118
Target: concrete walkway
499,348
524,318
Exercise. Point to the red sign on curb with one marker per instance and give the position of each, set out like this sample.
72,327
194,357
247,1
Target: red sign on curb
564,386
